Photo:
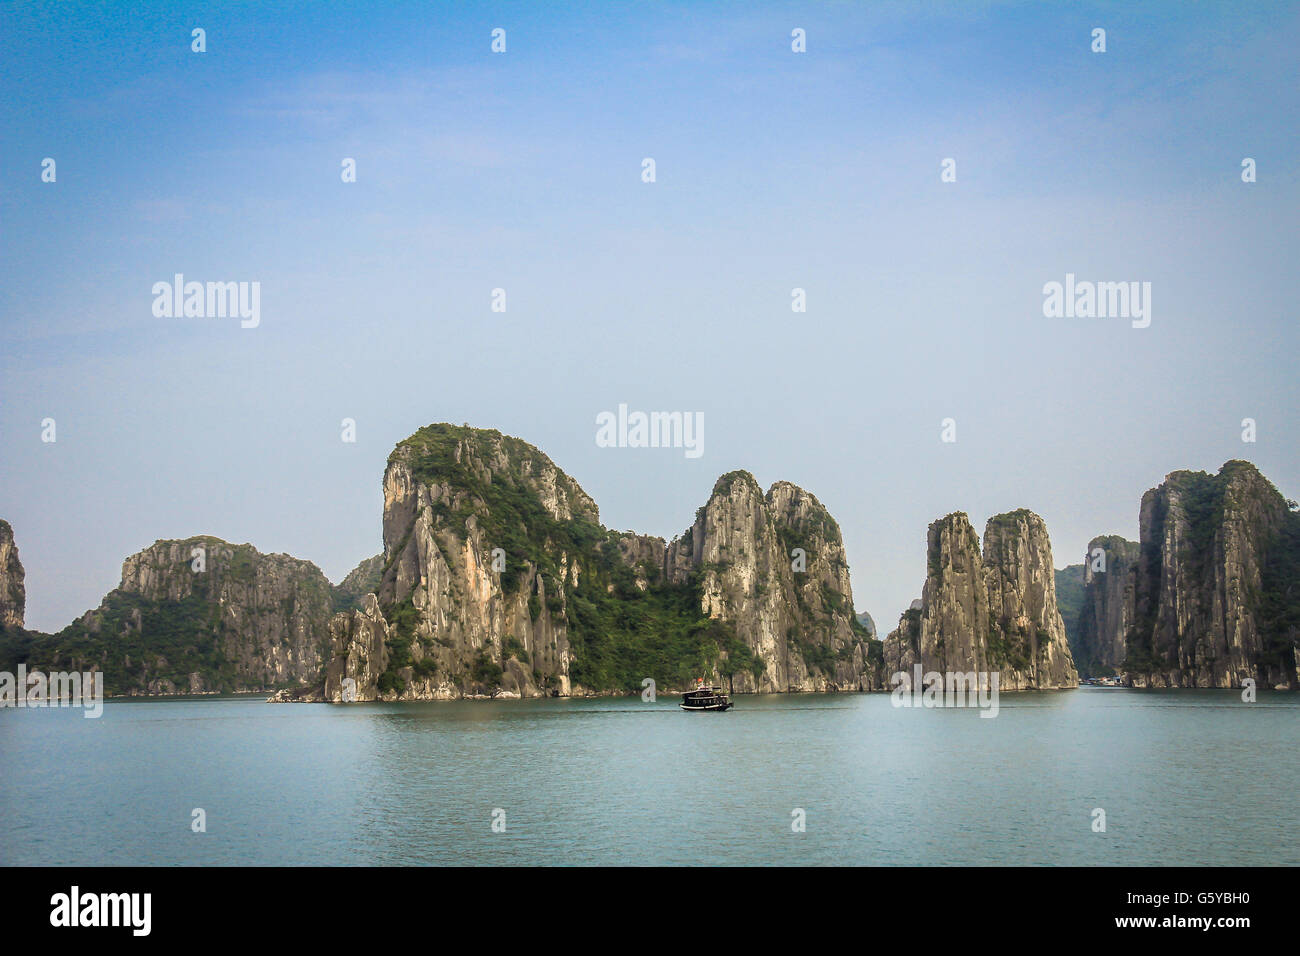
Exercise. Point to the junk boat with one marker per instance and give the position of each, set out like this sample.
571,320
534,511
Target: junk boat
704,697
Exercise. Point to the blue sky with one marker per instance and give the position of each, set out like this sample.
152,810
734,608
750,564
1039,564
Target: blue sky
522,171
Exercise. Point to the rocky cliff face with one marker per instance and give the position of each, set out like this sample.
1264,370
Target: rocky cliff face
358,652
200,616
499,579
987,611
1214,583
773,567
482,535
13,595
1021,582
1106,611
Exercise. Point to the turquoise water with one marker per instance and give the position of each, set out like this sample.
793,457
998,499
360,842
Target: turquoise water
1191,777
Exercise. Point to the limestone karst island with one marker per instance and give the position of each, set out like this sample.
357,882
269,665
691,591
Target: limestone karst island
497,579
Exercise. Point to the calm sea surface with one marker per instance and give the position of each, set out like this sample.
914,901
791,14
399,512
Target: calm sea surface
1191,777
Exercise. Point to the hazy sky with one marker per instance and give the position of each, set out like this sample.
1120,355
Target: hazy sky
522,171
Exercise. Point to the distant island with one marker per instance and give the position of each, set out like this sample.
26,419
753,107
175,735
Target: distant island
497,579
